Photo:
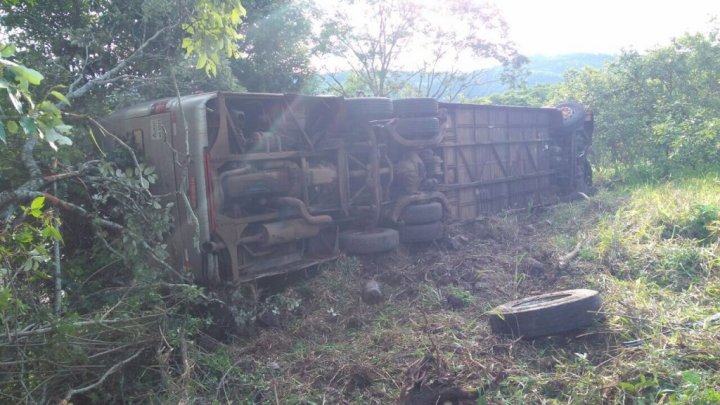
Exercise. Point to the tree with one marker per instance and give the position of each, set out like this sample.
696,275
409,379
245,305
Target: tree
99,48
656,110
416,48
124,309
276,46
540,95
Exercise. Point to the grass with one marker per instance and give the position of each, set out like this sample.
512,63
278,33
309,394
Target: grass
650,249
657,259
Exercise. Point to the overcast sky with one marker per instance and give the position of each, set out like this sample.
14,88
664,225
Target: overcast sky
551,27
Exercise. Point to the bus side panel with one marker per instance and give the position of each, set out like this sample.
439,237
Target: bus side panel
496,158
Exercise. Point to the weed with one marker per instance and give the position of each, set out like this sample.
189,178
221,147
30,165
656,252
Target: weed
430,296
348,265
695,222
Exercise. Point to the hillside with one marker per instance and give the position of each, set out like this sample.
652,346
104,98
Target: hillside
542,70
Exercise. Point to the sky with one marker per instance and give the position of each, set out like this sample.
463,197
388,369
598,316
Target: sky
557,27
553,27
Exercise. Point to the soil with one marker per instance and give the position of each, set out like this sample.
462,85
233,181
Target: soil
334,348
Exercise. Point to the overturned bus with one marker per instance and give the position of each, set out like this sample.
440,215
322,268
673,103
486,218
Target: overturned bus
265,184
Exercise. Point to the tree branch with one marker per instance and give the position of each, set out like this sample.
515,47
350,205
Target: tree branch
104,223
110,371
28,158
82,90
47,329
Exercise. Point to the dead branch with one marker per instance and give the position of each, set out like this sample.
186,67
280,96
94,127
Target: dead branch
564,261
110,371
25,332
30,188
240,355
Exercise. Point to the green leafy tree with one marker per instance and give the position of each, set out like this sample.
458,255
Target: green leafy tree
276,46
537,96
115,287
657,110
42,120
102,48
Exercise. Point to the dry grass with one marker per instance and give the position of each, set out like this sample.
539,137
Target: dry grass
334,349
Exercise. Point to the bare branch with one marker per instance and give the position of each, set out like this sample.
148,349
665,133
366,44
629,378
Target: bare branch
90,84
110,371
47,329
105,132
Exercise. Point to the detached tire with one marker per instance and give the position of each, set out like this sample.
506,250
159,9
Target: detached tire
422,213
418,127
572,114
546,314
415,107
377,240
422,232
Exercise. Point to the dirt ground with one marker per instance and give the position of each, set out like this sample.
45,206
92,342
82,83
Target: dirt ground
319,343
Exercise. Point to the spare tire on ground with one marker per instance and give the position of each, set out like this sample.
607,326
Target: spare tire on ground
377,240
546,314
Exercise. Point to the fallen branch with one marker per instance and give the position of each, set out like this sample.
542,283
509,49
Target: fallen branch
32,188
47,329
564,261
110,371
104,223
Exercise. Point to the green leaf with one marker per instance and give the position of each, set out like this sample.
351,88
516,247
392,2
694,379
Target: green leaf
628,386
49,108
50,232
63,128
2,132
55,138
24,236
202,61
38,203
7,50
31,75
60,97
28,125
12,126
5,298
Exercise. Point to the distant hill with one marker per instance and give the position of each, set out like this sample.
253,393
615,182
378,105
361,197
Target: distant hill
550,69
543,70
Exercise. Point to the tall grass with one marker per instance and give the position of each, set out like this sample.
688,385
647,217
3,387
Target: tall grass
655,256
